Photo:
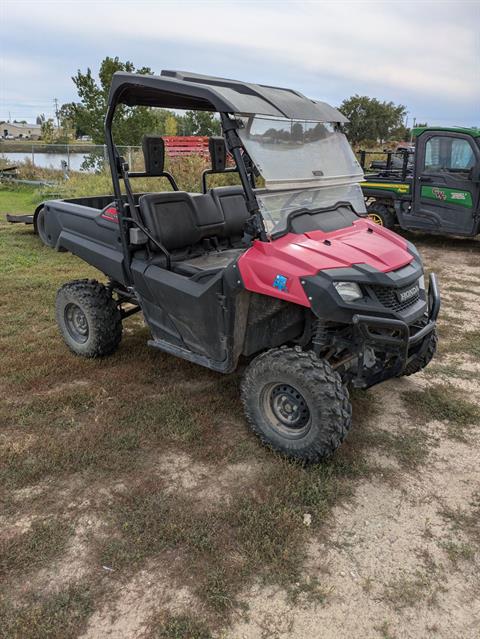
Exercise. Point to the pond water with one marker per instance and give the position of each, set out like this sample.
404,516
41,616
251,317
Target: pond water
48,160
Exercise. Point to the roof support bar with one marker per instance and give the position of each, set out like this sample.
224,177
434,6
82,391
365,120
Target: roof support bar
254,227
114,161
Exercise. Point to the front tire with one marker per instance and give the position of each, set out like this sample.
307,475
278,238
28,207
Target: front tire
88,318
296,403
381,214
421,361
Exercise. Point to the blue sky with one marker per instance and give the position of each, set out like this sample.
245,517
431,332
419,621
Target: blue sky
425,55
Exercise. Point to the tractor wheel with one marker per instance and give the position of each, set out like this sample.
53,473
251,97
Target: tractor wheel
419,362
88,318
381,214
40,229
296,403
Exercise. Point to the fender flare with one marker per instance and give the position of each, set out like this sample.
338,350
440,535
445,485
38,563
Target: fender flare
35,216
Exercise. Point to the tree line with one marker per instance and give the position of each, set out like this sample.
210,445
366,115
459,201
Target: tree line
371,121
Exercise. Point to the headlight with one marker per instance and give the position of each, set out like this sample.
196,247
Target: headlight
348,291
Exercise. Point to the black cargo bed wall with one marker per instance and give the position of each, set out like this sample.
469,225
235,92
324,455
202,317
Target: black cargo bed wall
80,230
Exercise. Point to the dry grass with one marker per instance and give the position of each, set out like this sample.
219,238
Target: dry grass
445,403
61,615
177,627
22,552
186,170
92,439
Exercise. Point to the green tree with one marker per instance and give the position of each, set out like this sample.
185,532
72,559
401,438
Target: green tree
400,133
161,118
371,120
130,123
199,123
170,125
48,131
69,118
297,132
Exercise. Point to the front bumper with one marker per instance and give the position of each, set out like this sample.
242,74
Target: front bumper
394,339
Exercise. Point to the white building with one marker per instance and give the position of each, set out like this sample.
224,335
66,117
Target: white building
15,130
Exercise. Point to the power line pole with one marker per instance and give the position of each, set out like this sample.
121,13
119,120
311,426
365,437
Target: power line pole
411,130
55,102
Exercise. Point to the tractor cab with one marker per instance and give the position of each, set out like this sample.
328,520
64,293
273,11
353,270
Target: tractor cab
436,188
446,185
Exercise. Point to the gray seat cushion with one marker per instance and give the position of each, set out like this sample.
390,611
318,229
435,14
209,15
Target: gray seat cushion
194,224
216,259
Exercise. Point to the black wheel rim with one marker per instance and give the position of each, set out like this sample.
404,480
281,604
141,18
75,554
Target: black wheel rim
76,323
287,410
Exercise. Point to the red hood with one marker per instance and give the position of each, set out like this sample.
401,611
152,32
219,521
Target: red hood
294,256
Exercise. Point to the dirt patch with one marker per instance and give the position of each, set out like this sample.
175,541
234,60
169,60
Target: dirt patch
383,564
76,561
208,484
163,506
133,603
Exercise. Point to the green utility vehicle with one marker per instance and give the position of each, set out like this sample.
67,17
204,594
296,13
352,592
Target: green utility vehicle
433,188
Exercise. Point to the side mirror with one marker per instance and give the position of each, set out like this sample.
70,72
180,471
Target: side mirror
218,154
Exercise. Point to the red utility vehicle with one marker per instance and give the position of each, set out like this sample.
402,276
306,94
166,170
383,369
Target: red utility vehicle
290,278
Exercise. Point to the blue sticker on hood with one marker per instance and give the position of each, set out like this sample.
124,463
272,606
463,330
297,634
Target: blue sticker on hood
280,283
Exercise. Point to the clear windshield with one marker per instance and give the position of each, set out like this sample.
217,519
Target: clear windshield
276,206
299,153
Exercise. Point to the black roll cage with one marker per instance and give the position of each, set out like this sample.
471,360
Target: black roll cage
254,227
185,90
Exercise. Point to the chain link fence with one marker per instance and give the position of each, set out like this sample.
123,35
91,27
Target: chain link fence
69,157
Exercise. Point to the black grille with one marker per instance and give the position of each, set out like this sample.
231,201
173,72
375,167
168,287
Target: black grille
389,297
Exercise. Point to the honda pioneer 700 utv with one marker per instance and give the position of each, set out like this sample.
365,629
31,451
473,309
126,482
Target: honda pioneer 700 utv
291,278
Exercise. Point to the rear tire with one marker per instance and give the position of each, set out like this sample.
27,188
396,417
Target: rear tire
88,318
296,403
381,215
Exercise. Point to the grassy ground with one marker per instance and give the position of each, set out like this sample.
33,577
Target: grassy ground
135,480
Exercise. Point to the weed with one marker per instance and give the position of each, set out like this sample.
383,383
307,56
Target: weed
259,534
367,585
464,289
444,403
40,544
408,591
470,343
309,590
409,447
134,408
465,520
61,615
384,630
216,590
450,371
458,551
163,626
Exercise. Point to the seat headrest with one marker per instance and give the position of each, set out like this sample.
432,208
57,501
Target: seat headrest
153,148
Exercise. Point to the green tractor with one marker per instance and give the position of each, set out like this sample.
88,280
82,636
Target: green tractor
432,187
